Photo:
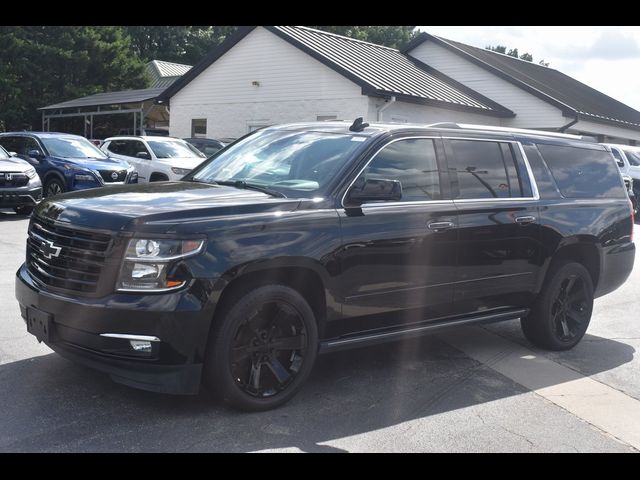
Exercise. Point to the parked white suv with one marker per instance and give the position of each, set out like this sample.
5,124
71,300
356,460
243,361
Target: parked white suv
155,158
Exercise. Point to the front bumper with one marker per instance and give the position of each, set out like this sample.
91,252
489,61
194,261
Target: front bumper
179,320
15,197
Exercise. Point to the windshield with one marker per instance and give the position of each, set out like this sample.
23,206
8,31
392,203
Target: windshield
282,160
173,149
72,147
633,157
3,153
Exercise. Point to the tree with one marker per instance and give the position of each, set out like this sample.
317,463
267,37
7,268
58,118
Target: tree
180,44
390,36
513,52
40,65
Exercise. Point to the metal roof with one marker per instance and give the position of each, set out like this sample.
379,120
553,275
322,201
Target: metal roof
380,71
568,94
164,74
110,98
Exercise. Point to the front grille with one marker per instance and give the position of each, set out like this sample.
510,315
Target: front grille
9,179
66,258
108,177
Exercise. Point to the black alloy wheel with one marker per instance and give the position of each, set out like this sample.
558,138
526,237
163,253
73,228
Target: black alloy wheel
262,347
268,350
562,312
53,187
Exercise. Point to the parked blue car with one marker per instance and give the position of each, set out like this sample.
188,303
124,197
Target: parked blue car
66,162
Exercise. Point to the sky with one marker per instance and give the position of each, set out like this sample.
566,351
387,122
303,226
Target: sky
605,58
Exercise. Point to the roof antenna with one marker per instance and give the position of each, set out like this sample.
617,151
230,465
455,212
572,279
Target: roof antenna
358,125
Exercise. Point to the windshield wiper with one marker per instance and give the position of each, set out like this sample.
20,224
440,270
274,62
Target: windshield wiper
249,186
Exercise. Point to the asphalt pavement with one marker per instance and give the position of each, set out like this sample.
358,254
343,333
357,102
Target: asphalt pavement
474,389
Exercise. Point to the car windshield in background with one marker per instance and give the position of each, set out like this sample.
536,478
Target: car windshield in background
4,153
633,157
173,149
70,147
282,160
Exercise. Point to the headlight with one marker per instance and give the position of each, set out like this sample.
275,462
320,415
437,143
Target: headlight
180,171
147,261
31,173
84,177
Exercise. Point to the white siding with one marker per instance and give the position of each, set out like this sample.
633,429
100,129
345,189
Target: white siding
614,134
293,86
531,112
416,113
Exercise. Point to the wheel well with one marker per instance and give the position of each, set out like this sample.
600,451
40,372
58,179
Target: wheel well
156,176
304,280
585,254
53,174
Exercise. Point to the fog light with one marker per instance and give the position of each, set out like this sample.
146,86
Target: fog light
140,345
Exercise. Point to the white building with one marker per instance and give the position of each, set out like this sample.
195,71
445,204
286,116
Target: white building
268,75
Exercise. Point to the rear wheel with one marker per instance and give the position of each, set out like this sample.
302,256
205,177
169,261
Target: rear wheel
562,312
262,349
54,186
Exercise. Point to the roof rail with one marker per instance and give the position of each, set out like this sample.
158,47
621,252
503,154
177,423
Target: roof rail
545,133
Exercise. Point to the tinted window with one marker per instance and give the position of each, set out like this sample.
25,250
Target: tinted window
583,172
413,163
20,145
633,157
3,153
480,170
618,157
119,147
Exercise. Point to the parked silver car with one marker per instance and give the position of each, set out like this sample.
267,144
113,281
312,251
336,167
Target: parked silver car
20,186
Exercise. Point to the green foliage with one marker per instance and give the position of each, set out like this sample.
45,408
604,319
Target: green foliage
513,52
180,44
41,65
390,36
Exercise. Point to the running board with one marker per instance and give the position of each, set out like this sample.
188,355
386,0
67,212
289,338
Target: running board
367,339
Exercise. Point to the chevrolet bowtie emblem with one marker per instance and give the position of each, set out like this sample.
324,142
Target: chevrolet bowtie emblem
49,250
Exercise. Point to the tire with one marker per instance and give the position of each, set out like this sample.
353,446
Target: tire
53,186
242,367
562,312
23,209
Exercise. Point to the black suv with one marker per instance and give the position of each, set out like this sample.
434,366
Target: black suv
309,238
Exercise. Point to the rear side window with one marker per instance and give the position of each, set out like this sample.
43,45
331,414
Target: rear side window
618,157
413,163
583,172
634,157
482,169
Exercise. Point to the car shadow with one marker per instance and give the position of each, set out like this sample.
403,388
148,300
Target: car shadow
51,404
10,216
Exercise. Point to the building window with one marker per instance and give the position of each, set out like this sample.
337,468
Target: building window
199,127
324,118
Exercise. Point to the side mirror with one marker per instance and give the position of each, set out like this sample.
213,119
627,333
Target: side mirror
372,190
13,154
35,153
143,155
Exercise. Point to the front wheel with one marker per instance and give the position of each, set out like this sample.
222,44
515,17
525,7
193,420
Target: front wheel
54,186
562,312
262,348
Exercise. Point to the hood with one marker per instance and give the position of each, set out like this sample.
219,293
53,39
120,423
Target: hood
14,164
164,204
182,162
96,163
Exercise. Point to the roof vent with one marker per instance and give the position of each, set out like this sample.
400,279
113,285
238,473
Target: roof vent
358,125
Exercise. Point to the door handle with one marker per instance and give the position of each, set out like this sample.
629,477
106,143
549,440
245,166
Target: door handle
525,219
440,226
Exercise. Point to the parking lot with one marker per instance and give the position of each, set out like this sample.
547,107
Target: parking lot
475,389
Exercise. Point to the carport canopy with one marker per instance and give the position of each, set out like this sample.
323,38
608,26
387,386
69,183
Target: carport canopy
138,103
